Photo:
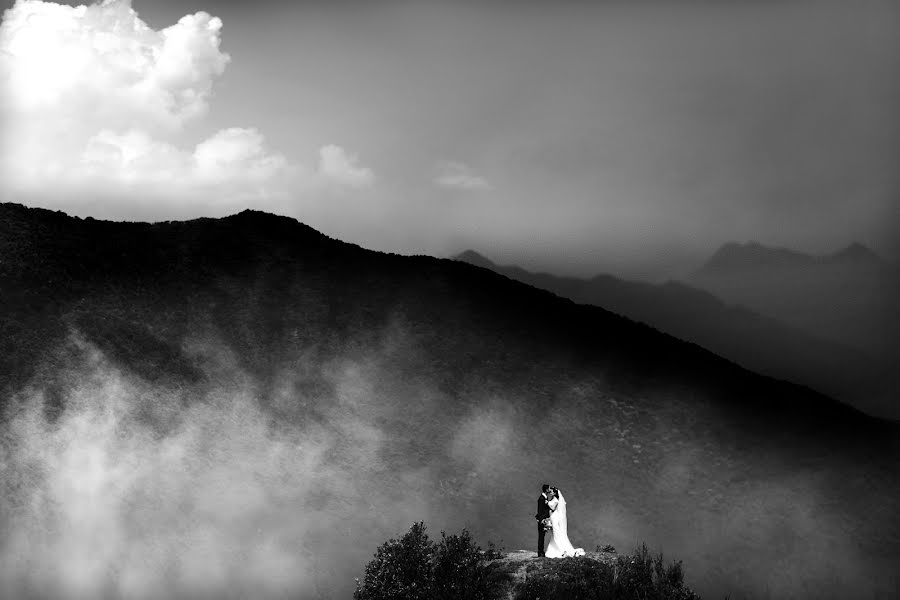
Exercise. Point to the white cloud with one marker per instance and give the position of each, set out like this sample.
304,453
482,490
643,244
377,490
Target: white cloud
91,96
103,62
231,155
456,175
336,164
235,150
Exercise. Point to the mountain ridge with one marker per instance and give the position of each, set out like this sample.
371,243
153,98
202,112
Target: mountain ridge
288,391
753,255
224,231
849,296
734,332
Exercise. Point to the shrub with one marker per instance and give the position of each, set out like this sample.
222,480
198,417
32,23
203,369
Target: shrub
571,578
492,552
400,570
414,568
639,576
644,576
459,570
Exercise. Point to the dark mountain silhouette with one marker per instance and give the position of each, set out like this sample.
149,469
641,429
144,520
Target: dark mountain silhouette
759,343
849,297
244,406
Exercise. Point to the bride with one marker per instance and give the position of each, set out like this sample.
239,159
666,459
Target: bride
559,544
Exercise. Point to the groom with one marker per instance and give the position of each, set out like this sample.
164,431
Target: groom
543,512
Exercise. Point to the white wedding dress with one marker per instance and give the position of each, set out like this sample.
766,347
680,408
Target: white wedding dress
559,545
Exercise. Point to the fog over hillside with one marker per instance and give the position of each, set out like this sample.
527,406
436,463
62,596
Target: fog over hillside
230,365
244,407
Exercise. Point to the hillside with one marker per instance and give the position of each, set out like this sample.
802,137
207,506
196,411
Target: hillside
759,343
243,407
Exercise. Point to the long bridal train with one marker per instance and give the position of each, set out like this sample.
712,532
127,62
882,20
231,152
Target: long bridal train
559,545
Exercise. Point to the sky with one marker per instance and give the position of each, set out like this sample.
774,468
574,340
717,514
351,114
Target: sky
576,137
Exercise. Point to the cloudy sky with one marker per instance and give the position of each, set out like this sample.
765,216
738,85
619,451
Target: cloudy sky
627,137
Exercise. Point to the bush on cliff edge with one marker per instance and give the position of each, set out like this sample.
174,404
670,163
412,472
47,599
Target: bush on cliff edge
639,576
415,568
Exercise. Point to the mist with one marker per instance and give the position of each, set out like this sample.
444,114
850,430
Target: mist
310,400
138,492
115,487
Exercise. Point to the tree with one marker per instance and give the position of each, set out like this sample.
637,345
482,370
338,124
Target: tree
459,569
400,570
414,568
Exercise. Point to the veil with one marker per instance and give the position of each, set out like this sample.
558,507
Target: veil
559,542
561,509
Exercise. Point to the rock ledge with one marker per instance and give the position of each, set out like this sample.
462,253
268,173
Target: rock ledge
514,568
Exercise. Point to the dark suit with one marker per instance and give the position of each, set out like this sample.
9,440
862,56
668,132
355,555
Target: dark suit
543,512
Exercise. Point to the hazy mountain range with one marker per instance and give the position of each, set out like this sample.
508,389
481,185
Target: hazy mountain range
754,338
851,297
244,407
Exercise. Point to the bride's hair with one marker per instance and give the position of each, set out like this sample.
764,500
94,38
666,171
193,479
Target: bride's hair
556,491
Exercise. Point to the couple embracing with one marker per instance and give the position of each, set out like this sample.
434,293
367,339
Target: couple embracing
552,524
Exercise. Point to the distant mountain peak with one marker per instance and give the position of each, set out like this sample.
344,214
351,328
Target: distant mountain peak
856,252
474,258
733,255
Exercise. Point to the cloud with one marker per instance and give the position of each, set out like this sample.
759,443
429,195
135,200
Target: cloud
458,176
235,149
336,164
103,61
92,96
233,155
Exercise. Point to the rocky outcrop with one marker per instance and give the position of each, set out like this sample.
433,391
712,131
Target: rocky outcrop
513,569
